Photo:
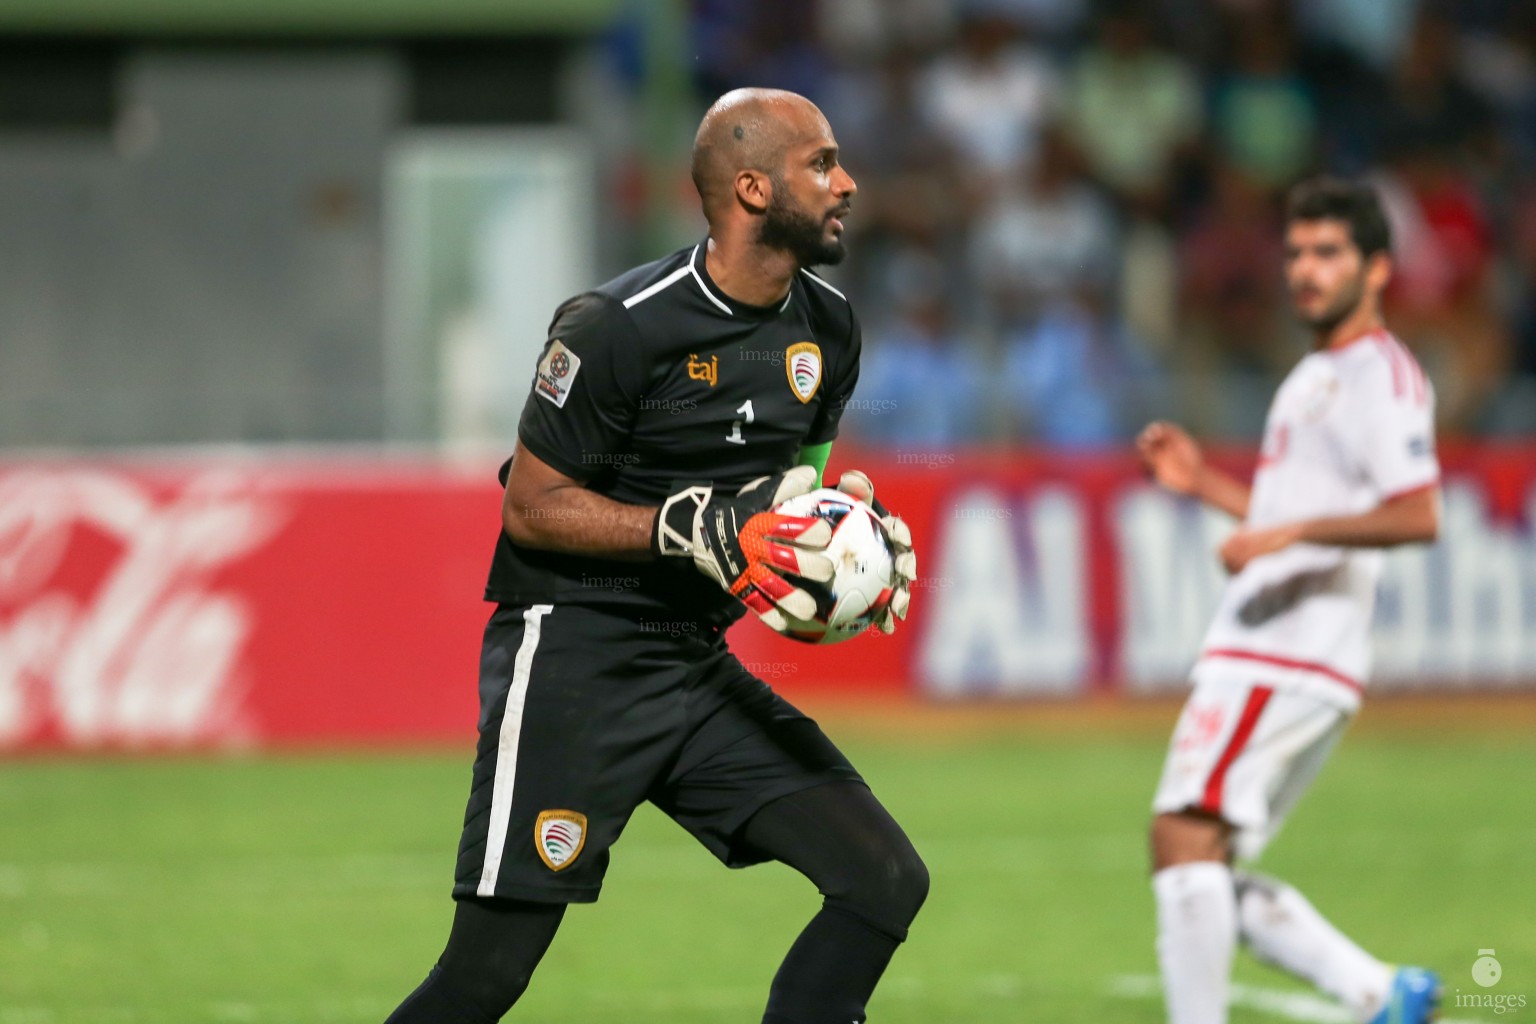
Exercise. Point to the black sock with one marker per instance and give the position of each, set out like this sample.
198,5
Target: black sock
433,1001
493,947
841,838
830,971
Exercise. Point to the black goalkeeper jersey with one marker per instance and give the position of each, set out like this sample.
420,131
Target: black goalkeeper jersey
658,380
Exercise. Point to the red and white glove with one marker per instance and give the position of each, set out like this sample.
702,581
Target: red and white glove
742,544
855,484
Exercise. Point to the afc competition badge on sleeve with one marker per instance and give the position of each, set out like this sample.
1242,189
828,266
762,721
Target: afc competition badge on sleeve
556,373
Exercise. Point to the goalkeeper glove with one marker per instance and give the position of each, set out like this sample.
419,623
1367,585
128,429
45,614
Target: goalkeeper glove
856,485
739,542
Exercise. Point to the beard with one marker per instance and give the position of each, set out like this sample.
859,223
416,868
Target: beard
1338,310
791,228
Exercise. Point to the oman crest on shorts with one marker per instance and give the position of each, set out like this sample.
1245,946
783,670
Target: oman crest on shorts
559,837
802,363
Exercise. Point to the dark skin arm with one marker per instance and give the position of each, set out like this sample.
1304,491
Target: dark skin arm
547,510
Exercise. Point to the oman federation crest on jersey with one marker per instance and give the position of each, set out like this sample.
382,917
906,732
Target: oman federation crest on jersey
802,363
559,837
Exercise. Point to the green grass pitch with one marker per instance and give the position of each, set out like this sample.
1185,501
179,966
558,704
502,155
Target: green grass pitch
313,890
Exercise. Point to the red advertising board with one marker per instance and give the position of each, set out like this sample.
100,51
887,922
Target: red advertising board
168,605
276,601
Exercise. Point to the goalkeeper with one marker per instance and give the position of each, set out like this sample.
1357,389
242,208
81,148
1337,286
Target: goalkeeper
671,410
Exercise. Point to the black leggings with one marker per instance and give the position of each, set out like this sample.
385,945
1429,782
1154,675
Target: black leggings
836,834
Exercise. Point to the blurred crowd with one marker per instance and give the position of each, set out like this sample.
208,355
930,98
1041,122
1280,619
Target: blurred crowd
1069,210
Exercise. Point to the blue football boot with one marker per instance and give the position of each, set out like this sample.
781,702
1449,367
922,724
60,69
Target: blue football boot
1414,998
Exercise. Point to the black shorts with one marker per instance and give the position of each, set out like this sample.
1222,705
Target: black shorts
585,714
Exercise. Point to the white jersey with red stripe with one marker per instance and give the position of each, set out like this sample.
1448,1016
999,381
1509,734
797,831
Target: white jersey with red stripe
1350,428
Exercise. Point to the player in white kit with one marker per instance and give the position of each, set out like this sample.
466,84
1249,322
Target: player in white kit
1347,468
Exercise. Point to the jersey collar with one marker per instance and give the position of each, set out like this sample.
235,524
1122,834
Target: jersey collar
1369,332
726,304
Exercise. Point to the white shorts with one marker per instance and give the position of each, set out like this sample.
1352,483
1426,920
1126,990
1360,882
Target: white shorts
1245,750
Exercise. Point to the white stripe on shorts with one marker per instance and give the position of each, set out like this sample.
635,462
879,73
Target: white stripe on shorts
506,749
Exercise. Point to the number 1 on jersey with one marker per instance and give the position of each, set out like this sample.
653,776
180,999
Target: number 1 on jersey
734,437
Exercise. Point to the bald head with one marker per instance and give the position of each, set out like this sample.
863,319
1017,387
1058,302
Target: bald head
749,129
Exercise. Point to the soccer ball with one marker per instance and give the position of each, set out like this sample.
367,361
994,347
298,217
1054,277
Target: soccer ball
864,575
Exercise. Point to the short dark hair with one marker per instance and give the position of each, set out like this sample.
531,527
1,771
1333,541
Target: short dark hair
1353,202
